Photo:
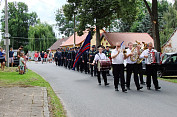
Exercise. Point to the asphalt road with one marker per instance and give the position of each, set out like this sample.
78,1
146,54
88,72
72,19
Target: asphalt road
83,97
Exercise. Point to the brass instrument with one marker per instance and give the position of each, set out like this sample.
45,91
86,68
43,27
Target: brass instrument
135,52
135,56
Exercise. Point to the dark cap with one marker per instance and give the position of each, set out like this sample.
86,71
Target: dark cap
107,46
21,46
93,46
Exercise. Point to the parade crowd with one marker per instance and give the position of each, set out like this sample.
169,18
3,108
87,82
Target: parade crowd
88,63
89,59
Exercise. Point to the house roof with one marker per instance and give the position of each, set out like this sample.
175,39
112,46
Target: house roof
169,38
58,44
78,39
114,37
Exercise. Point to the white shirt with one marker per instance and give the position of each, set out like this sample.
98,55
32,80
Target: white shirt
145,53
99,56
119,59
128,60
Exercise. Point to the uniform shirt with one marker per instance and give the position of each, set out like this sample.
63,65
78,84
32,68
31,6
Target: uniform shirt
119,59
42,55
145,53
128,60
99,56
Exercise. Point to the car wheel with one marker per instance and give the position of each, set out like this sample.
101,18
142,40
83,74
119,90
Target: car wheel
159,74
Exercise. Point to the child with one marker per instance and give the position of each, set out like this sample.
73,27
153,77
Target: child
22,64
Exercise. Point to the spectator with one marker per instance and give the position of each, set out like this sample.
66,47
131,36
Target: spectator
11,56
22,64
42,56
50,57
36,56
2,58
45,57
19,52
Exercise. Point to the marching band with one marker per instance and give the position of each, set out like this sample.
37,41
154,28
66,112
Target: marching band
100,62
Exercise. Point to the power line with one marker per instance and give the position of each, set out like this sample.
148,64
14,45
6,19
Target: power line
30,38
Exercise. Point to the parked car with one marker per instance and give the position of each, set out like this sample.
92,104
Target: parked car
169,65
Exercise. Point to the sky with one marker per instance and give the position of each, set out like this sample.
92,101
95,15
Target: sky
45,9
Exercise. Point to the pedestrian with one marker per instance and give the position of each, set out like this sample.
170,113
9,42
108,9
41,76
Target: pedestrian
19,52
11,56
22,64
118,67
50,57
42,56
45,57
2,58
36,55
151,69
100,56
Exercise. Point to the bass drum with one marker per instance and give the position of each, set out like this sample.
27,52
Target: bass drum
104,65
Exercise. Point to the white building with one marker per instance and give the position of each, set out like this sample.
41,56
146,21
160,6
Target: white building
171,44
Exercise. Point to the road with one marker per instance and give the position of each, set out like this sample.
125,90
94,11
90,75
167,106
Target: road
83,97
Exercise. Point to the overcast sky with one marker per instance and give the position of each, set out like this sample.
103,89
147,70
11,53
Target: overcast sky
45,9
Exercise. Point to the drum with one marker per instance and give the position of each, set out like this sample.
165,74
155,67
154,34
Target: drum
154,57
104,65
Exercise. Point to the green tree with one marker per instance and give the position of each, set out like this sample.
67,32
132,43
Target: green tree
170,24
100,13
19,21
41,37
65,26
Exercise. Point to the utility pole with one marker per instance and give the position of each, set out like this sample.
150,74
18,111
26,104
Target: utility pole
6,34
74,31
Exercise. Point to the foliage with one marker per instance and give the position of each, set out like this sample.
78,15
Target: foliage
10,78
170,23
19,21
41,37
100,13
65,26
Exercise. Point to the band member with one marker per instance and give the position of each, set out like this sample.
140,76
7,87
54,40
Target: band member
59,57
151,69
131,67
62,56
79,62
91,58
100,56
108,54
85,60
118,67
56,57
140,73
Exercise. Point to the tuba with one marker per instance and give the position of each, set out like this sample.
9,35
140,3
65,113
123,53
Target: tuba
135,56
135,52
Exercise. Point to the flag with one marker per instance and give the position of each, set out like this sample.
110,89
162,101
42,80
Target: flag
84,48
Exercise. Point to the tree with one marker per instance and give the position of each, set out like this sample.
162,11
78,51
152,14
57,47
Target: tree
41,37
65,26
19,21
100,13
155,24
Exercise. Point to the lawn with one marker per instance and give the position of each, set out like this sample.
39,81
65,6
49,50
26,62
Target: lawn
170,79
10,78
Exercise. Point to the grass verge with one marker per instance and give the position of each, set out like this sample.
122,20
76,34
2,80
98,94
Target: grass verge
10,78
170,79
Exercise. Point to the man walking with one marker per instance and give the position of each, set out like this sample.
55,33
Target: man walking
11,56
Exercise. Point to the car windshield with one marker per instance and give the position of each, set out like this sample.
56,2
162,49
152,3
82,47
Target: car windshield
165,58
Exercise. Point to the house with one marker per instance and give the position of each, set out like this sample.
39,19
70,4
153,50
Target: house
171,44
111,38
57,44
78,40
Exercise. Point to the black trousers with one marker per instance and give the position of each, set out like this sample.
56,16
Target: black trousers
132,68
59,62
118,73
151,70
85,66
56,61
140,72
103,75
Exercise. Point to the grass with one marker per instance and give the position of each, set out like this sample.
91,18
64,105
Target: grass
10,78
170,79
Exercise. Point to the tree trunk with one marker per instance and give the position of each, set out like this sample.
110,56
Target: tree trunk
155,28
98,36
155,24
